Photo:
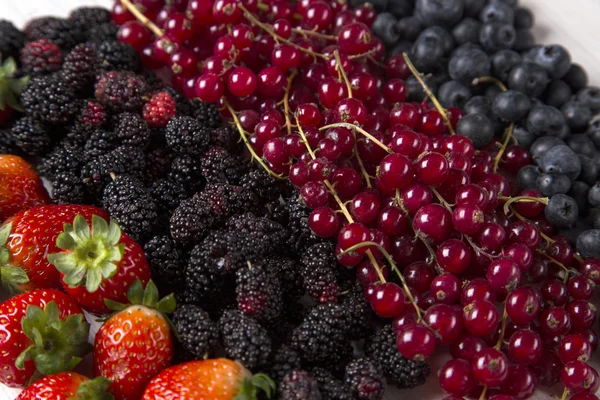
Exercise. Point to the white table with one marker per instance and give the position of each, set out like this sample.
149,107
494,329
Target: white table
570,23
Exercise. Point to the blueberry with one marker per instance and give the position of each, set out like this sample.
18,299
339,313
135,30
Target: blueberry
577,115
524,40
523,18
497,12
551,184
440,75
503,61
440,12
512,3
400,8
473,7
594,195
582,144
453,94
579,192
409,28
492,91
588,243
476,127
467,31
384,27
555,59
561,160
495,36
576,78
478,105
561,211
527,177
415,90
589,169
467,63
523,136
595,217
594,135
402,46
590,96
427,52
545,120
441,33
557,93
511,105
528,78
542,145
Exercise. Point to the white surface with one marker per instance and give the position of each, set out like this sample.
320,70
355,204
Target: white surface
570,23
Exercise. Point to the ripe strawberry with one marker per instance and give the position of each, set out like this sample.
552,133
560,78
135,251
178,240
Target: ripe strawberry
159,110
20,186
43,331
222,378
136,343
28,237
98,263
66,386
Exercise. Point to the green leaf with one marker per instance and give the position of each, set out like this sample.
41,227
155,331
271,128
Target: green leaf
18,85
81,229
51,311
65,241
150,295
64,262
9,67
167,304
265,383
108,270
114,305
114,233
135,294
4,256
5,233
93,280
94,389
99,226
12,277
24,356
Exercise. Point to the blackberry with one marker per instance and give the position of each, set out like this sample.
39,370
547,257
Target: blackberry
165,262
294,215
225,200
64,32
89,17
11,40
41,57
365,378
31,136
7,142
318,267
190,222
258,293
79,68
49,100
283,360
34,25
117,56
67,188
186,171
244,340
158,163
264,185
185,135
61,159
289,276
207,113
399,371
92,114
197,332
167,195
96,172
292,315
100,33
330,387
299,385
131,129
135,160
218,166
255,236
121,91
226,138
77,134
129,203
100,142
182,104
359,311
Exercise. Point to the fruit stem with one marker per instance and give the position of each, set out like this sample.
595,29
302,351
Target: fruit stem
142,18
377,63
430,94
483,392
361,165
242,133
479,249
286,101
502,330
523,199
489,79
509,135
360,130
441,199
338,62
305,33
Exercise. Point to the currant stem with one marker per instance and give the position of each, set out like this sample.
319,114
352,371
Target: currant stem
338,61
360,130
305,33
565,394
502,330
482,397
441,199
490,79
242,133
521,199
377,63
430,94
142,18
509,135
286,101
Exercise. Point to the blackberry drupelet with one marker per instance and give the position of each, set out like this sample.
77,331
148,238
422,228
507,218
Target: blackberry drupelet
186,170
226,138
299,385
365,378
89,17
79,68
283,360
67,188
185,135
399,371
99,143
255,237
34,25
288,273
244,339
165,263
258,293
121,91
130,205
131,129
65,158
41,57
263,184
11,40
77,134
207,113
100,33
330,387
197,332
318,269
218,166
49,100
168,195
31,136
64,32
190,222
294,216
117,56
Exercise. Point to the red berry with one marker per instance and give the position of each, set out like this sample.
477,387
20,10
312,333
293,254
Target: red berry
446,289
200,11
490,367
466,347
314,194
431,169
446,321
324,222
525,347
355,38
416,196
416,342
242,81
395,171
353,234
574,347
455,378
434,222
503,275
554,321
159,110
454,256
209,88
135,34
226,11
271,82
523,306
477,289
387,300
365,207
392,221
578,376
480,318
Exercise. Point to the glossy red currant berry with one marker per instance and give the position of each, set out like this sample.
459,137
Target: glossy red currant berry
355,38
554,293
395,171
492,236
490,367
209,88
392,220
555,321
318,16
135,34
468,219
480,318
367,275
455,378
387,300
394,91
454,256
466,347
580,288
416,196
591,269
582,313
520,255
351,111
504,275
523,306
520,384
242,82
179,26
314,194
431,169
365,207
434,222
446,321
446,289
577,376
353,234
416,342
419,276
574,347
525,347
227,11
271,82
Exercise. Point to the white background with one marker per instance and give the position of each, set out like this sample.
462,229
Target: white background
570,23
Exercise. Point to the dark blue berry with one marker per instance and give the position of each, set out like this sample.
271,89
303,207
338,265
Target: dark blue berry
524,40
582,144
562,211
495,36
415,90
528,78
594,195
523,136
453,94
467,31
523,18
403,46
442,34
590,97
588,243
427,52
551,184
555,59
384,27
545,120
478,105
579,193
511,105
561,160
576,78
497,12
557,93
467,63
440,12
503,61
476,127
542,145
400,8
577,115
409,28
473,7
527,177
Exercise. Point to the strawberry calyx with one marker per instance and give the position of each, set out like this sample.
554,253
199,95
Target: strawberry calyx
94,389
11,277
10,87
147,297
89,255
251,387
58,345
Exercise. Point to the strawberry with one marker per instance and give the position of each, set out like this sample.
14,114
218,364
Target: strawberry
98,263
213,379
136,343
41,332
20,186
28,237
67,386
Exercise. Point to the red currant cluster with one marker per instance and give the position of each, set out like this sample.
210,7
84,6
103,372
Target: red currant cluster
315,102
